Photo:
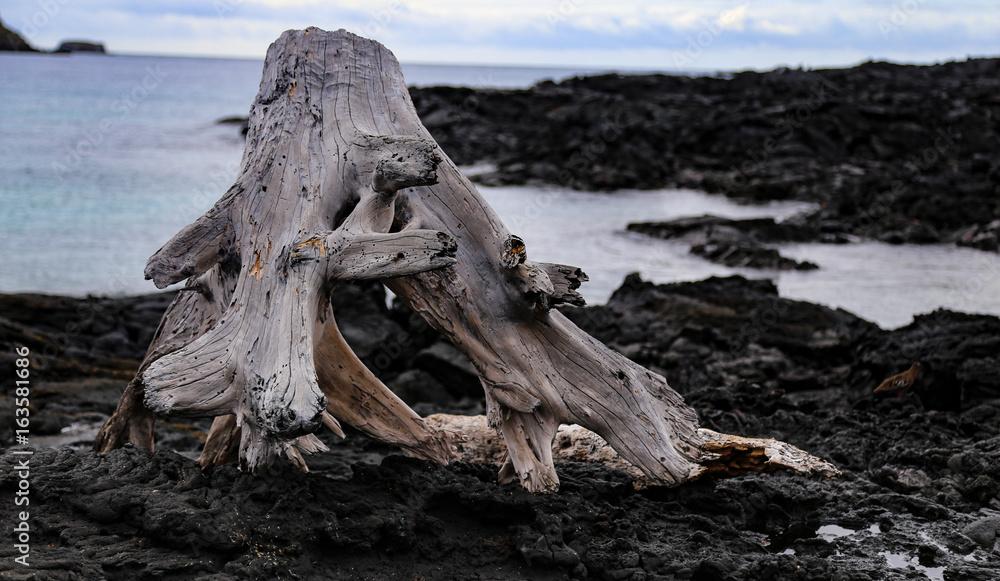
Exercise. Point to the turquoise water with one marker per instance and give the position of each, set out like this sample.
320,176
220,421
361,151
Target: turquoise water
104,159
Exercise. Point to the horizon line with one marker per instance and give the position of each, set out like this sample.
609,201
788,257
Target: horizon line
587,68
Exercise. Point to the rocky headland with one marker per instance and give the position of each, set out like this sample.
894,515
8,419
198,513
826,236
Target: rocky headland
11,41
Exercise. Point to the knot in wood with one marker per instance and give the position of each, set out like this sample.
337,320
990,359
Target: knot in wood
514,252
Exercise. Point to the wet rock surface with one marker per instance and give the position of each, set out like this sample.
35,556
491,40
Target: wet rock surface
69,337
891,152
736,254
701,229
734,243
919,496
738,332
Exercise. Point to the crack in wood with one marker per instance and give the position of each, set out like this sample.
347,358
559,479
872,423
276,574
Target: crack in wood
374,198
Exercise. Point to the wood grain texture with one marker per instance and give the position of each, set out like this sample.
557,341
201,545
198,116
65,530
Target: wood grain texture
341,181
312,205
725,456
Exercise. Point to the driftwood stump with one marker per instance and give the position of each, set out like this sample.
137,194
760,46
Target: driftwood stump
340,181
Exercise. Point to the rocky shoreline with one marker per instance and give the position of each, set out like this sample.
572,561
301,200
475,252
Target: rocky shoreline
902,154
895,153
919,490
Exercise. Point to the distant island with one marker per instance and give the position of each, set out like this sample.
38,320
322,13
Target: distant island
11,41
81,46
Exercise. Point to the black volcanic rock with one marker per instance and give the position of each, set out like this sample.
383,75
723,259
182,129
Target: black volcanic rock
734,243
242,122
959,355
11,41
919,478
893,152
451,367
727,331
723,333
742,255
71,337
981,236
704,228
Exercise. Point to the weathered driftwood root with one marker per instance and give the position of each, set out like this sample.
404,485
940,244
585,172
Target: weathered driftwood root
341,181
190,315
723,455
253,340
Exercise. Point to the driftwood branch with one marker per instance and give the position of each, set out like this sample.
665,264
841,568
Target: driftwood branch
341,181
724,455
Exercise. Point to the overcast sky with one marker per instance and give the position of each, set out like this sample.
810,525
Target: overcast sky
664,35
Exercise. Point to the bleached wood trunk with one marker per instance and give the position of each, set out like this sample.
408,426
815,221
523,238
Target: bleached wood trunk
340,181
724,455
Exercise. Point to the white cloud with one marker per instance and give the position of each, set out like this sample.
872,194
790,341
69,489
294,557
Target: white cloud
777,28
735,18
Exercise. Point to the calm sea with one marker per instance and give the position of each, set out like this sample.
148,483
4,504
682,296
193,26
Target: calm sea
103,159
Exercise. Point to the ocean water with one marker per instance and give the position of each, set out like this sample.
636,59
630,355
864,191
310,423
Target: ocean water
423,75
104,159
880,282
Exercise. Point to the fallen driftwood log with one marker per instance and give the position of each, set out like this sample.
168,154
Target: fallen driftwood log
340,181
724,455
